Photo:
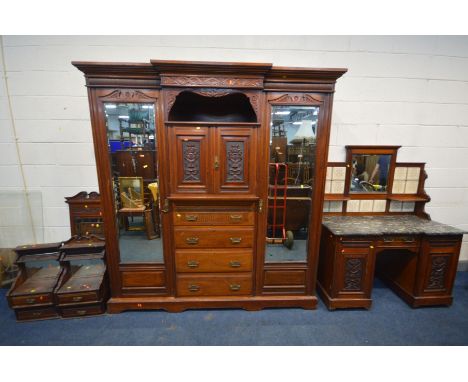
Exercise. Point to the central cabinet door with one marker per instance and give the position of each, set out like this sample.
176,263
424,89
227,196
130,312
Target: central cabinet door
212,159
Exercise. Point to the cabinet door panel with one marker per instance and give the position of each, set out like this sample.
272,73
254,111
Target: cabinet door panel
235,159
189,150
354,274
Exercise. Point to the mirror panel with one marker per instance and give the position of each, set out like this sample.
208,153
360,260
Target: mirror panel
369,173
290,182
133,156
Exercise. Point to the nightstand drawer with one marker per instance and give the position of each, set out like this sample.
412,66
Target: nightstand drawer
36,314
31,300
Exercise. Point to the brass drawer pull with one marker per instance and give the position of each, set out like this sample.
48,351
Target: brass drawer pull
193,288
235,218
234,264
37,314
235,240
234,287
77,298
192,264
409,240
30,300
191,218
81,312
387,239
192,240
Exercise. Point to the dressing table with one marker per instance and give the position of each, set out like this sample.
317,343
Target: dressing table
381,228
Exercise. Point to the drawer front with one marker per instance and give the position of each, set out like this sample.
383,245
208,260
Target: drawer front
398,241
36,314
214,285
197,218
87,310
143,279
30,300
229,237
77,298
214,260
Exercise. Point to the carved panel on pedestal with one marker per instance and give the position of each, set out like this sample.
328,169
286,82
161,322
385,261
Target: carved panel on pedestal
439,265
353,274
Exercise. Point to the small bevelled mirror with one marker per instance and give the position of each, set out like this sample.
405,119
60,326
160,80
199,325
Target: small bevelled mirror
369,173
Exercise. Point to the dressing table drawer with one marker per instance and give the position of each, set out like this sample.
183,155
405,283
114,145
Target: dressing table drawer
197,218
207,237
214,260
398,241
214,285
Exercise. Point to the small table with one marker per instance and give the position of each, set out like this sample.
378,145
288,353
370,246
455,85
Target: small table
415,257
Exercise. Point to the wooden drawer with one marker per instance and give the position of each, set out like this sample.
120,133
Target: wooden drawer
196,218
86,310
30,300
398,241
214,285
77,298
225,260
143,279
36,314
207,237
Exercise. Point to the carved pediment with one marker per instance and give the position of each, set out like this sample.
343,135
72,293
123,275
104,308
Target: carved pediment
297,98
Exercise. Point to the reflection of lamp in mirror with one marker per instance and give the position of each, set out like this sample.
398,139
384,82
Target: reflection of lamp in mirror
305,133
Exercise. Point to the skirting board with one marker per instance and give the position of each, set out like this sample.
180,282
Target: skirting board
462,266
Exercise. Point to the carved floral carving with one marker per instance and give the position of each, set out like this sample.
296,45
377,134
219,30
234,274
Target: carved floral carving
128,96
353,274
438,270
235,161
212,81
296,98
191,155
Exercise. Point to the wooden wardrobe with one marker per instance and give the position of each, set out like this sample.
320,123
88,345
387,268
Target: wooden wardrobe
235,199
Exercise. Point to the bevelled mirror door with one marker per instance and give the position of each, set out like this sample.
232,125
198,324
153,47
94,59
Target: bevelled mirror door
132,145
292,153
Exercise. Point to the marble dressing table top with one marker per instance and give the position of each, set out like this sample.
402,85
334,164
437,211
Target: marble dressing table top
386,225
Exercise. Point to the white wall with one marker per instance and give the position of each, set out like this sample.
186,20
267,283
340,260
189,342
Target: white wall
410,91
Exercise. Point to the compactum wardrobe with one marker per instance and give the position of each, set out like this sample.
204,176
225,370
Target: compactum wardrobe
212,179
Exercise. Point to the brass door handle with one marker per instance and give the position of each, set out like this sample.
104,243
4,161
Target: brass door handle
30,300
192,264
193,288
234,264
260,206
235,240
192,240
216,162
234,287
191,218
235,217
77,298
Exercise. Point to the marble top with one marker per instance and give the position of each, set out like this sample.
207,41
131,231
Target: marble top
347,225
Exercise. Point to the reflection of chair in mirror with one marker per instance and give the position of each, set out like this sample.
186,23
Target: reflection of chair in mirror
132,204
